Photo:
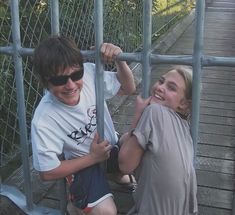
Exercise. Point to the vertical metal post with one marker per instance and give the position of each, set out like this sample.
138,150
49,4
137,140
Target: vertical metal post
147,28
233,207
197,68
55,24
55,30
21,101
99,66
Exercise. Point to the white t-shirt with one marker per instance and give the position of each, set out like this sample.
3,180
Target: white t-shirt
57,127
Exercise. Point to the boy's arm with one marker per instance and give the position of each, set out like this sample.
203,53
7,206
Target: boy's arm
124,74
126,78
98,153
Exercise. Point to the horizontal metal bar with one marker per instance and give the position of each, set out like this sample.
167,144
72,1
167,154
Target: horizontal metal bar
218,61
132,57
26,51
8,50
170,59
207,60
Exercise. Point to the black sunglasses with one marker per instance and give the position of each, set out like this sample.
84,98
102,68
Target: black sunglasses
63,79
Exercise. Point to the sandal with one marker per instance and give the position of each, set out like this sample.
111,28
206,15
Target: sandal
130,186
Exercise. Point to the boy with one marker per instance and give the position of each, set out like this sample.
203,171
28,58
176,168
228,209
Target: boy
65,120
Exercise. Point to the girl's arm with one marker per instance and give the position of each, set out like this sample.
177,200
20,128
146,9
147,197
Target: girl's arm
131,151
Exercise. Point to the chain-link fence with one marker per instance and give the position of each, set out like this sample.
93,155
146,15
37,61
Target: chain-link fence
122,26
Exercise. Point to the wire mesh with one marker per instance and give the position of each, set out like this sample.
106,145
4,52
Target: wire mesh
122,26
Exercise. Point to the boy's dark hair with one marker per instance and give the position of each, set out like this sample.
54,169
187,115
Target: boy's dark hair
54,55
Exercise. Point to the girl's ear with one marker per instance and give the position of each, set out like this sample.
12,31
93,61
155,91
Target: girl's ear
185,106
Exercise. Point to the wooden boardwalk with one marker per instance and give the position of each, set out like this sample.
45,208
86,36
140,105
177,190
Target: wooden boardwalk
216,148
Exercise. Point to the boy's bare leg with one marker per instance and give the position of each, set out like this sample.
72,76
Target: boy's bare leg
106,207
72,210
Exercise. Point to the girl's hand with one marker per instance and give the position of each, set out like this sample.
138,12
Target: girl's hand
141,104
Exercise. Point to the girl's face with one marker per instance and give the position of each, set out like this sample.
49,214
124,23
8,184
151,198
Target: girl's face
68,92
169,91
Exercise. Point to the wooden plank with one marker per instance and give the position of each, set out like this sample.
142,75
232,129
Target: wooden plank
219,48
225,81
218,42
218,104
226,16
223,4
217,111
211,15
217,139
219,53
215,97
215,180
215,165
218,89
205,210
211,35
122,119
212,151
40,188
217,129
215,197
213,119
222,70
219,28
8,207
50,203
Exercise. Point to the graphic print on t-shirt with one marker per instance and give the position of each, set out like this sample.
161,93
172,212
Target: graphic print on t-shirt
87,129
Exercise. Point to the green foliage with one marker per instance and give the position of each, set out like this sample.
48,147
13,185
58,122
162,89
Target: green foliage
159,5
166,13
77,20
126,18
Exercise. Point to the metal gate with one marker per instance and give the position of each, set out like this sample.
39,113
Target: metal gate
145,57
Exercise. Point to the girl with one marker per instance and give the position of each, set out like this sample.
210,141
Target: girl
161,148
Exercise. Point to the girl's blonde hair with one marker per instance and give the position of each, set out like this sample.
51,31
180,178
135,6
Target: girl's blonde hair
187,74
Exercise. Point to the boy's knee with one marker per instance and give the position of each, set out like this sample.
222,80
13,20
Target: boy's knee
106,207
109,211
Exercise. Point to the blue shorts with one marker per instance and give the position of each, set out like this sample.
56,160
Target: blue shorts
89,186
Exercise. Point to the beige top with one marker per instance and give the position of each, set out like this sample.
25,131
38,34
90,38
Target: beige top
166,176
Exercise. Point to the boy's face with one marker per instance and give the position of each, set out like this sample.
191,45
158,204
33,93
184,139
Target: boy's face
169,91
69,91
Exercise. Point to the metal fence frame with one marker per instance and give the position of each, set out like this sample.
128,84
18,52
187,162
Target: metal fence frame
76,19
145,57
